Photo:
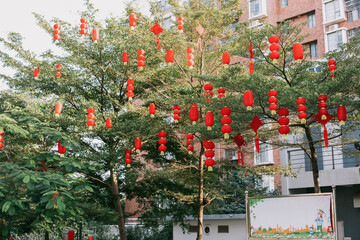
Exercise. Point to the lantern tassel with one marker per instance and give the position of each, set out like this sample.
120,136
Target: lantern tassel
240,157
158,42
326,137
342,123
128,165
198,45
210,169
251,65
257,143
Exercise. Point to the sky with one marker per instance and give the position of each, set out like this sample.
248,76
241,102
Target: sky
16,16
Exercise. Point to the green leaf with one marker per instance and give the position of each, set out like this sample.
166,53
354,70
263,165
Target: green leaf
49,158
61,205
68,168
26,179
2,195
48,193
46,182
49,205
6,206
11,211
89,188
32,162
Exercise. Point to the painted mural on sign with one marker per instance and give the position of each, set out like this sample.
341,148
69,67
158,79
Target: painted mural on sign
306,217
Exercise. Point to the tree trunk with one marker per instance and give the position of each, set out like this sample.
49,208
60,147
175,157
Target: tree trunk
47,237
313,159
201,197
117,204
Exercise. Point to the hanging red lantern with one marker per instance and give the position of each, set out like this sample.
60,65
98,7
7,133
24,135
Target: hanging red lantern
137,144
251,66
1,139
162,142
130,89
221,92
169,56
125,58
156,29
284,122
301,109
255,124
36,73
71,235
61,149
83,27
58,71
181,24
332,67
274,48
177,109
226,121
341,115
209,120
108,123
152,110
298,51
58,109
90,238
91,117
141,59
57,32
240,141
273,101
189,143
323,106
190,58
248,100
226,59
209,154
128,158
132,21
194,114
95,35
208,92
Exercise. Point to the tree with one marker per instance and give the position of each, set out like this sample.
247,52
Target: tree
292,80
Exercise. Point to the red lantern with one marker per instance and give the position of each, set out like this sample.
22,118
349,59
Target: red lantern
298,51
125,58
156,29
284,121
130,89
83,27
209,120
251,66
273,101
221,92
332,67
190,57
57,32
1,139
128,158
132,21
189,143
36,73
323,106
137,144
141,59
90,238
152,110
58,109
226,121
255,124
226,59
91,117
108,123
239,140
162,142
248,100
177,109
209,154
95,35
274,48
71,235
194,114
341,115
61,149
208,92
301,109
169,56
181,24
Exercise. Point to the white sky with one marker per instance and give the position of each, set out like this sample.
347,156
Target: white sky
16,16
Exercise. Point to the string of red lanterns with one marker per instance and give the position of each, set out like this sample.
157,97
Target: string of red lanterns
91,118
209,154
301,109
130,88
284,122
58,71
141,59
273,101
1,139
332,67
83,26
226,121
162,141
177,109
132,21
128,158
208,92
189,143
181,24
274,48
57,33
190,58
221,93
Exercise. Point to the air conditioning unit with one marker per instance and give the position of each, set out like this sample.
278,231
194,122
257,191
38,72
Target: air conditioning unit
333,27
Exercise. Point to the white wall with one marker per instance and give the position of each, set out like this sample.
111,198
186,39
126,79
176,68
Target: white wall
237,230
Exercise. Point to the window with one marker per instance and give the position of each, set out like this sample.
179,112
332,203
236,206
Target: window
231,154
283,3
353,32
257,8
193,228
332,10
311,20
167,23
267,181
353,15
265,156
334,40
223,229
313,50
316,69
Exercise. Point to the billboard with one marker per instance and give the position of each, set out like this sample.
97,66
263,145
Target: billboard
288,217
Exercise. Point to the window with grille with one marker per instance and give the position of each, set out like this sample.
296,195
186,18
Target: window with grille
223,229
313,50
255,8
268,182
311,20
335,40
265,156
231,154
332,10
